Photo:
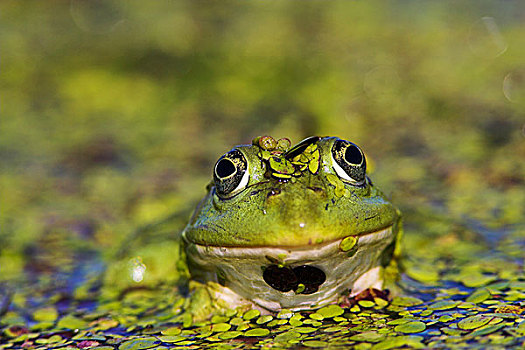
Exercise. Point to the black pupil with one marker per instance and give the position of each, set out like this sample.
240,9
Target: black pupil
353,155
225,168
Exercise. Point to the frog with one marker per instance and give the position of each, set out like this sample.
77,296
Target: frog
280,227
290,228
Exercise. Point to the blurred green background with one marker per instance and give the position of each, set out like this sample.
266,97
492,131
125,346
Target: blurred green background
114,112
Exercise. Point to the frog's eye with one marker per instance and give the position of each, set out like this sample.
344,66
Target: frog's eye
349,162
230,174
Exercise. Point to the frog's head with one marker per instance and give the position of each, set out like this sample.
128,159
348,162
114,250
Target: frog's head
274,213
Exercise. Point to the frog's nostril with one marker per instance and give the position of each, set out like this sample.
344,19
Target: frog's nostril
285,279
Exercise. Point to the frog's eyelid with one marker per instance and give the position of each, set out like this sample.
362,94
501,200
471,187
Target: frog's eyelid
300,147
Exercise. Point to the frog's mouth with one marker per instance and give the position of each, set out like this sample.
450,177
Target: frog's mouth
296,278
302,279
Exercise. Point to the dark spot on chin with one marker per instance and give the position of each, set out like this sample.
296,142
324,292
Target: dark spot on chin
312,278
285,279
280,278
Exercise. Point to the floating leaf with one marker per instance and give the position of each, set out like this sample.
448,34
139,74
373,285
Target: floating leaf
286,336
171,338
305,329
313,164
476,279
71,322
333,329
406,301
285,313
248,315
221,327
315,344
281,165
478,296
370,337
15,331
473,322
411,327
171,331
366,303
137,344
452,331
47,314
230,335
316,316
257,332
446,318
331,311
399,321
219,319
107,324
443,305
426,313
423,273
264,319
488,329
401,341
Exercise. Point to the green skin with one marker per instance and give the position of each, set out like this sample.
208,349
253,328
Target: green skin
305,212
274,209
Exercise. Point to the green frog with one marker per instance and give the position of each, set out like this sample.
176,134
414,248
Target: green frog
293,228
280,227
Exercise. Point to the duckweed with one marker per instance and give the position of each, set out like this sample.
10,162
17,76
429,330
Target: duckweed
257,332
264,319
473,322
248,315
331,311
230,335
366,303
47,314
137,344
411,327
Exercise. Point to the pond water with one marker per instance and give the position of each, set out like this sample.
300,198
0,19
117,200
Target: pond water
452,298
115,113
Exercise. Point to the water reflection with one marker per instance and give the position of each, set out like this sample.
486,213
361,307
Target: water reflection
485,38
138,269
95,16
514,86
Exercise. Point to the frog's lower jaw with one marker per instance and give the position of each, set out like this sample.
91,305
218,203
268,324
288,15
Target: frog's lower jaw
241,270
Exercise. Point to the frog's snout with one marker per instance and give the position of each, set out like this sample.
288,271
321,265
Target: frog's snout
301,279
305,193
